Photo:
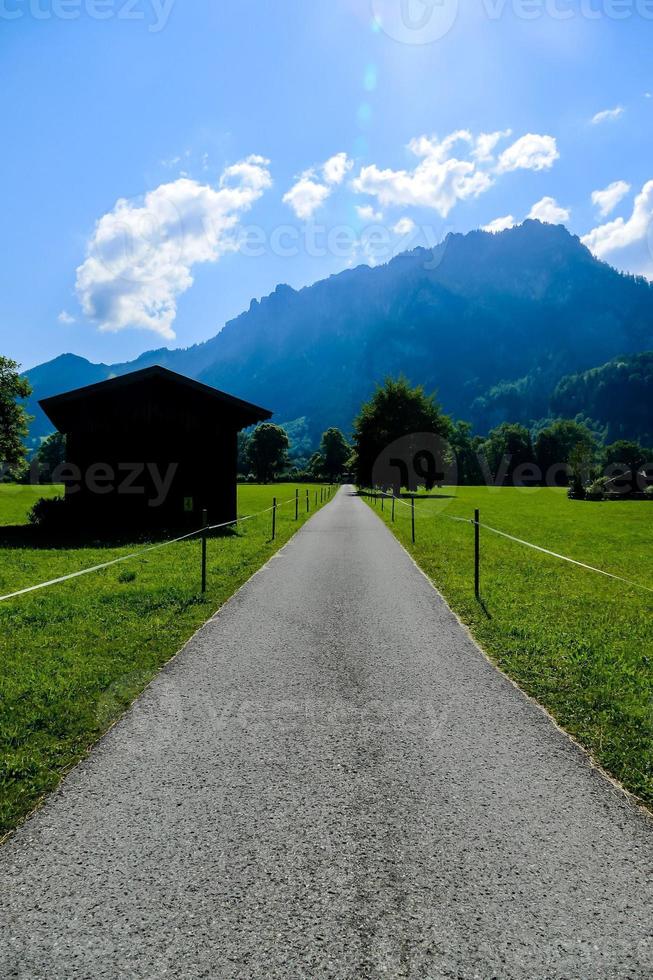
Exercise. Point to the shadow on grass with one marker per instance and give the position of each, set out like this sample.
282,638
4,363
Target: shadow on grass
484,607
402,496
22,536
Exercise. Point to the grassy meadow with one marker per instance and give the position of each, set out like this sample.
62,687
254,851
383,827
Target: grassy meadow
576,641
17,501
74,656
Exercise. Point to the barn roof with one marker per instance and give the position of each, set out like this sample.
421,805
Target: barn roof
62,409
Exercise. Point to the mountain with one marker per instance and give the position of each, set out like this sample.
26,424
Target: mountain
618,396
490,321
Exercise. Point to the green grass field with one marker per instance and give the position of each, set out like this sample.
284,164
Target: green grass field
74,656
576,641
17,501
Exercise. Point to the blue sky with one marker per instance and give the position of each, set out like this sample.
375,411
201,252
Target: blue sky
165,164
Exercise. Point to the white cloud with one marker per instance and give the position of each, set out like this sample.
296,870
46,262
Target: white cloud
550,211
437,182
500,224
529,152
458,167
336,168
306,196
627,242
607,114
607,199
141,254
310,192
486,144
367,213
66,318
405,226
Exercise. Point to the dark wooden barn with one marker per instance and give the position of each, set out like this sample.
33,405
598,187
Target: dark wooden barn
151,448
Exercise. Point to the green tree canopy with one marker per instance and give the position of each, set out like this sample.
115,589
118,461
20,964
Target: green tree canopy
631,457
316,466
507,449
394,410
50,455
13,417
335,451
465,450
268,451
243,452
556,444
618,395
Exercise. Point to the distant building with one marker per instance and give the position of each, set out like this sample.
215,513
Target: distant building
151,448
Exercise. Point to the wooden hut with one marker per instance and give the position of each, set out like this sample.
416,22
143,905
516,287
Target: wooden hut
151,448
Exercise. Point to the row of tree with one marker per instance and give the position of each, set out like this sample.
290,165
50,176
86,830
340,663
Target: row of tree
561,451
264,455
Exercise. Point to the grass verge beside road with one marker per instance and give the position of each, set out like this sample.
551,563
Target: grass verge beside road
16,501
74,656
576,641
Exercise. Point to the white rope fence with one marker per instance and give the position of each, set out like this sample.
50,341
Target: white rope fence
572,561
141,551
511,537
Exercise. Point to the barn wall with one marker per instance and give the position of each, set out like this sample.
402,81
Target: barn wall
201,461
124,442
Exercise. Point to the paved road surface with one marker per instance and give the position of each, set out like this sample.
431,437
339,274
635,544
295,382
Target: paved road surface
331,781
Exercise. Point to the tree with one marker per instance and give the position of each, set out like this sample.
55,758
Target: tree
465,450
558,442
51,454
618,395
625,459
301,443
508,453
335,451
395,410
580,467
243,452
268,451
13,417
316,466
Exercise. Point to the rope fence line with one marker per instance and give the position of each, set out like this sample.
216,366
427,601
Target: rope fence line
572,561
155,547
96,568
476,523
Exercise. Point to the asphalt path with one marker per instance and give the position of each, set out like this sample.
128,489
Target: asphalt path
331,780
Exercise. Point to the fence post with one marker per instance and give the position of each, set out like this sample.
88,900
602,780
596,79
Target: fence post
477,554
205,524
393,506
316,499
412,512
296,505
308,502
274,518
382,503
